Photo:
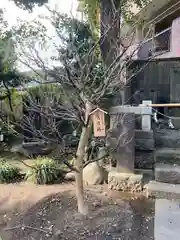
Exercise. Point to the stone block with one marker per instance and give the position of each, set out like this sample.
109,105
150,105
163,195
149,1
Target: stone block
125,182
144,159
144,134
162,190
176,122
146,119
142,144
138,110
168,156
167,138
167,173
144,140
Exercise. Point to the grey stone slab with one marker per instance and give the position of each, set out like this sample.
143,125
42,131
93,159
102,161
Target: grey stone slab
163,190
141,110
144,134
166,219
167,173
144,140
176,122
167,138
167,156
144,144
144,159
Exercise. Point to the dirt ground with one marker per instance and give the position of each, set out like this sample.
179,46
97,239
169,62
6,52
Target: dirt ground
35,212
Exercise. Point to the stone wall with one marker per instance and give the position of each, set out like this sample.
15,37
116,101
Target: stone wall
144,149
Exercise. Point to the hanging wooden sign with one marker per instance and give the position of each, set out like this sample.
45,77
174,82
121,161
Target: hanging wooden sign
98,118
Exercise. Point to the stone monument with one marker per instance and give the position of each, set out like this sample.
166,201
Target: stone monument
121,141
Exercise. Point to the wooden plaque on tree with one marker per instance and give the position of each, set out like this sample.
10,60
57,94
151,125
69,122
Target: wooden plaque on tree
98,119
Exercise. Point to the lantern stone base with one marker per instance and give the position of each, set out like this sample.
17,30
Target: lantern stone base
125,181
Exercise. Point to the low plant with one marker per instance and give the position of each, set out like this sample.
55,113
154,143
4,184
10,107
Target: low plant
44,171
8,172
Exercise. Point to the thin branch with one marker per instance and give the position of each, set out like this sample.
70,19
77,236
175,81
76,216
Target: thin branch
27,227
95,160
70,166
25,164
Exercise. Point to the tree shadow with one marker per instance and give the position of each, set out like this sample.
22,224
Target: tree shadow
41,215
55,217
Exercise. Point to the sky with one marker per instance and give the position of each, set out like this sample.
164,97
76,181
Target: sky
12,14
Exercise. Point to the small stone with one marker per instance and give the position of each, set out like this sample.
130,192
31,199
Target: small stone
93,174
58,233
70,176
97,204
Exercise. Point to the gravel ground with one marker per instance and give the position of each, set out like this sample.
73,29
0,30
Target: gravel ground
49,212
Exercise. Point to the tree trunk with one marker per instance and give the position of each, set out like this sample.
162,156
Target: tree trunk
82,207
110,23
110,29
81,151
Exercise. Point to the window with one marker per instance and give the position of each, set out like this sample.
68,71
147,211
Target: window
162,32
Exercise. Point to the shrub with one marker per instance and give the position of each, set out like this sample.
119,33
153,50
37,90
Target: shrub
44,171
8,172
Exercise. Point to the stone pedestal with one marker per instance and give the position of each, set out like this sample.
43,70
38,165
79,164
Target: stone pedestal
122,142
125,182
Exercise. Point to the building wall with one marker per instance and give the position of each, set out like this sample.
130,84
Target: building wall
154,13
174,48
153,80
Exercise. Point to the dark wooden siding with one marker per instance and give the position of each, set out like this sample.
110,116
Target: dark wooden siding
152,80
